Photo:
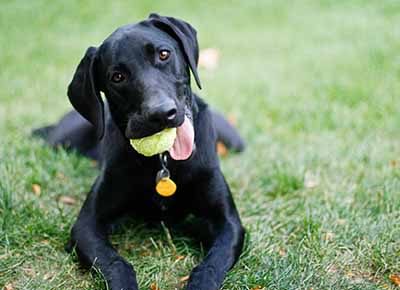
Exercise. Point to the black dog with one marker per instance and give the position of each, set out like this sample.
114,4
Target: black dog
144,72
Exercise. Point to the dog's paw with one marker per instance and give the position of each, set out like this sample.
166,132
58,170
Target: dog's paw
69,246
204,278
121,276
122,285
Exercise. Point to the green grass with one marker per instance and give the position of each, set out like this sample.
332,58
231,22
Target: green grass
315,88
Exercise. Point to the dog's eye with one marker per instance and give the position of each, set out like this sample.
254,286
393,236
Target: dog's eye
117,77
164,54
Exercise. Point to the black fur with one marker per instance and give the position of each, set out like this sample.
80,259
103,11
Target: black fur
152,95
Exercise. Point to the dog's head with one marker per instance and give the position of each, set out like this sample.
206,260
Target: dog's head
144,71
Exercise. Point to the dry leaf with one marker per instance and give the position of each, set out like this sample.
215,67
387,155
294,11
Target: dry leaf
350,274
329,236
232,119
393,163
282,252
48,276
67,199
221,149
395,278
145,253
154,287
310,180
185,278
209,58
30,272
61,176
178,258
9,286
37,190
258,288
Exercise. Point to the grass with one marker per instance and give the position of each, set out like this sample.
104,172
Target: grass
315,88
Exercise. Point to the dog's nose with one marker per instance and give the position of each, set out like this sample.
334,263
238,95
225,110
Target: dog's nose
163,113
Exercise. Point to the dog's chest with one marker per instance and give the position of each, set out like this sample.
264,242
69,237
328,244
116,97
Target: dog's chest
144,199
151,204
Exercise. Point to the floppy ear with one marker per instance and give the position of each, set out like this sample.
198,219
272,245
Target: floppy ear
83,94
185,34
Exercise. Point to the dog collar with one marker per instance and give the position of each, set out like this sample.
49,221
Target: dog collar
165,186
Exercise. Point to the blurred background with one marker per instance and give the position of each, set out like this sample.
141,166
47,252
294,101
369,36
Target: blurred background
312,85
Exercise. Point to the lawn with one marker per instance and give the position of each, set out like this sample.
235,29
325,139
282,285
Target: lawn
314,87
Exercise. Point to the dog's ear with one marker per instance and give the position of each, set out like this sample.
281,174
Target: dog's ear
185,34
83,93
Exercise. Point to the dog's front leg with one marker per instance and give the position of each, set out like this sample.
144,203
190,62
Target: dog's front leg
89,235
214,203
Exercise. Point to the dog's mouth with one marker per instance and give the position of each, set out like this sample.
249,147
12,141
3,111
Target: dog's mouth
180,148
184,141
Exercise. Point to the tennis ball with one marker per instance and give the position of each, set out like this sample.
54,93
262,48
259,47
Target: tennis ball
155,144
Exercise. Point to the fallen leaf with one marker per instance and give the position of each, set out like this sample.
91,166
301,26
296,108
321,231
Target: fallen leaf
9,286
350,274
232,119
154,287
360,277
145,253
4,256
393,163
329,236
178,258
48,276
61,176
30,272
221,149
183,279
209,58
310,180
36,188
67,199
395,278
282,252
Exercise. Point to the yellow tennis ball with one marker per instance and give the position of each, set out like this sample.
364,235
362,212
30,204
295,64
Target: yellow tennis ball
155,144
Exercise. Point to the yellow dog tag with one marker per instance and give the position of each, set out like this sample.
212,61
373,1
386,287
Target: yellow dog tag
165,187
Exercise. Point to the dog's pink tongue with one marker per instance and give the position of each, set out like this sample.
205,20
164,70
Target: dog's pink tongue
183,145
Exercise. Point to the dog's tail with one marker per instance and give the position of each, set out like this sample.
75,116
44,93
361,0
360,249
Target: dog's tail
227,134
43,132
